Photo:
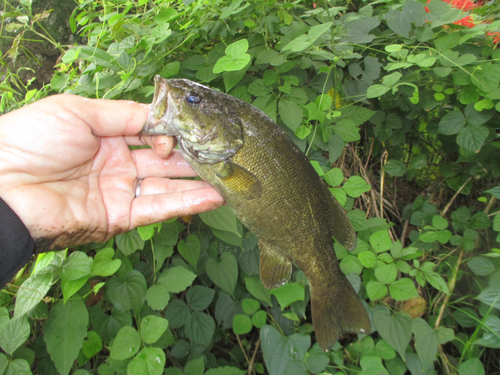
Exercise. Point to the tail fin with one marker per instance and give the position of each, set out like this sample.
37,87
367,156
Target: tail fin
336,309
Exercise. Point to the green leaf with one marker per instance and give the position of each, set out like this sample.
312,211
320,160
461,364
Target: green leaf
259,319
481,266
290,113
242,324
31,292
356,186
3,362
395,330
126,344
376,290
104,265
381,241
128,292
223,272
347,129
128,243
376,90
351,264
367,259
199,297
303,41
490,296
70,287
152,327
387,273
395,168
176,279
65,330
150,361
384,350
372,365
13,334
276,350
451,123
439,222
403,290
334,177
200,328
18,367
148,231
222,218
250,306
92,345
256,288
426,341
236,57
190,249
472,137
437,281
157,297
289,293
391,79
496,193
472,366
77,266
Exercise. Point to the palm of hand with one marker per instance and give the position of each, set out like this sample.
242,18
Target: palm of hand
70,176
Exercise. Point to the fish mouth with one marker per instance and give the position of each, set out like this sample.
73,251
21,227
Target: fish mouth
160,115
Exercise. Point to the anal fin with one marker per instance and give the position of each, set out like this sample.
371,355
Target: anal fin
275,269
239,180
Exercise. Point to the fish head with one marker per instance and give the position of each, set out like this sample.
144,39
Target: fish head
205,122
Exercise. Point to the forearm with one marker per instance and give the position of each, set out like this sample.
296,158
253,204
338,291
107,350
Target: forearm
16,244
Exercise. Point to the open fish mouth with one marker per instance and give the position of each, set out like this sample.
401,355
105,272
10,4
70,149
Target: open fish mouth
199,135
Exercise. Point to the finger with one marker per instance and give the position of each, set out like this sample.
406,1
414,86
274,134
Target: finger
149,164
105,117
161,144
154,185
149,209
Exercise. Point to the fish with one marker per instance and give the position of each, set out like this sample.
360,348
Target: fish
273,190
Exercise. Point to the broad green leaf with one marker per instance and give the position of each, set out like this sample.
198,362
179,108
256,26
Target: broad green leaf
31,292
372,365
128,292
276,350
152,327
395,168
177,313
107,326
381,241
14,334
451,123
387,273
437,281
259,319
222,218
347,129
242,324
289,293
77,266
481,266
351,264
148,231
377,90
334,177
190,249
395,330
426,341
176,279
290,112
65,330
70,287
376,290
472,366
223,271
230,64
496,193
18,367
92,344
149,361
157,297
104,265
439,222
257,289
237,49
199,297
195,367
250,306
384,350
200,328
356,186
490,296
126,344
367,259
403,289
128,243
472,137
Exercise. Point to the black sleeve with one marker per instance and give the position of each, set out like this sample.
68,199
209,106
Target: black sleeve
16,244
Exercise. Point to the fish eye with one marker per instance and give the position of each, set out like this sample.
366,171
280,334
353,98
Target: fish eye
193,99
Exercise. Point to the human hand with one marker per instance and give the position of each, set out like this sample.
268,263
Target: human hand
67,172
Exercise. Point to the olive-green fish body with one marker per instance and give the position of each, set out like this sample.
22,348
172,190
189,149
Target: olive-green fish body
275,192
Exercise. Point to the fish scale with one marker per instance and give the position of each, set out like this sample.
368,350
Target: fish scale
275,192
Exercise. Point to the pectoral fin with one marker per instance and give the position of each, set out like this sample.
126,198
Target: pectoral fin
240,180
275,269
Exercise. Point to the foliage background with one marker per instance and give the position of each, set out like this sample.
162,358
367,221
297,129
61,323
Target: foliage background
395,102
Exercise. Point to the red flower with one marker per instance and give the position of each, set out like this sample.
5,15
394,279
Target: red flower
464,5
495,35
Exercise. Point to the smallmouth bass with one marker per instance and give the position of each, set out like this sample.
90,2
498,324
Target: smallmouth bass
272,188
